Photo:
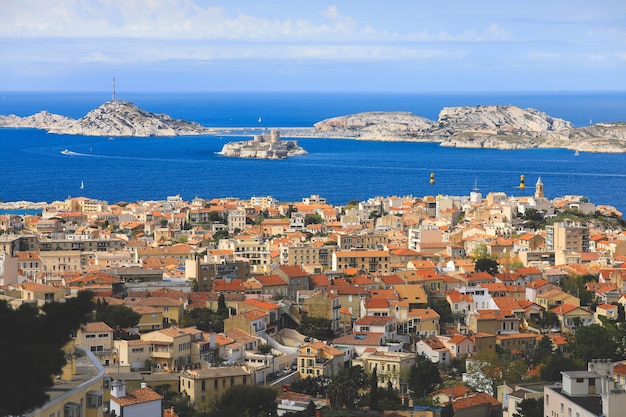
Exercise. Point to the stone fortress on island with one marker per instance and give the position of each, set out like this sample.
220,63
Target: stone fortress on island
263,146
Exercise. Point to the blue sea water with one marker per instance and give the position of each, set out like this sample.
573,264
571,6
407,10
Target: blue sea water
33,168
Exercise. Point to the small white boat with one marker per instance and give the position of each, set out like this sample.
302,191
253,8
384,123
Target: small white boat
576,153
82,185
259,120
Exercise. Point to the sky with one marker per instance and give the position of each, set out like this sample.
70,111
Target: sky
314,45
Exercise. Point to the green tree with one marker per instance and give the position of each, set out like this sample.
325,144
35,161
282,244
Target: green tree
245,400
343,391
373,403
594,342
313,386
531,407
487,265
423,377
317,327
543,349
117,316
220,234
556,363
313,219
222,309
204,319
31,350
489,370
181,403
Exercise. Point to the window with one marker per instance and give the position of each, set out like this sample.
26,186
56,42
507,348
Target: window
94,399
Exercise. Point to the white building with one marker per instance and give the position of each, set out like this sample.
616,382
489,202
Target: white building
595,392
142,402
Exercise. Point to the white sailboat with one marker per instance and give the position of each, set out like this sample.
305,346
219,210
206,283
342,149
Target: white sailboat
82,185
259,120
576,153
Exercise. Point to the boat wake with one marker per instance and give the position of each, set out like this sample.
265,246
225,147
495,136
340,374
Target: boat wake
72,153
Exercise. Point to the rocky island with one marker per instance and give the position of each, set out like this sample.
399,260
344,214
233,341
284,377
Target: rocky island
263,146
500,127
113,118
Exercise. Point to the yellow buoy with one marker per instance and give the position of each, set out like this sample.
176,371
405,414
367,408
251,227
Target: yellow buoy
521,182
432,178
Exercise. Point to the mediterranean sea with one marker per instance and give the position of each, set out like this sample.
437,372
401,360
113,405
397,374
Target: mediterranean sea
116,169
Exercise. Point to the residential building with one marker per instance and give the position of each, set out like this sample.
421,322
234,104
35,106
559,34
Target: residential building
33,292
142,402
567,237
97,337
296,277
252,322
317,359
372,261
434,349
390,366
362,241
273,285
171,348
320,304
572,317
597,391
205,385
252,249
494,322
308,255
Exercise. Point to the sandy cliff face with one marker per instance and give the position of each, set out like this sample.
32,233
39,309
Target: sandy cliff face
114,118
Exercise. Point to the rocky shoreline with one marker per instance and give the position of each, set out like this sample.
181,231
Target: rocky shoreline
496,127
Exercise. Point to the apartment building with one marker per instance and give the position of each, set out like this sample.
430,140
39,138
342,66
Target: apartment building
568,237
372,261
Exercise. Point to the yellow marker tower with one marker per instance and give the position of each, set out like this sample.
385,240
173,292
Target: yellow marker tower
432,178
521,182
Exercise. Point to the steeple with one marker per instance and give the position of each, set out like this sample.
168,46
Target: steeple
539,189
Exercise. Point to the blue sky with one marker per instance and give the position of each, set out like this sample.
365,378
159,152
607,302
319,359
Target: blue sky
299,45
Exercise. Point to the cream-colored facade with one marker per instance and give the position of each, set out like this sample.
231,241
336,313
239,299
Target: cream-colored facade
373,261
307,255
204,385
31,291
390,366
171,347
319,359
97,337
252,249
62,261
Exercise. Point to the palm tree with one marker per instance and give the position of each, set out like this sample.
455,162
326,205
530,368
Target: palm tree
343,391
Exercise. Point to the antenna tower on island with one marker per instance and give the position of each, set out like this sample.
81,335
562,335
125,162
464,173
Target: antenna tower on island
113,88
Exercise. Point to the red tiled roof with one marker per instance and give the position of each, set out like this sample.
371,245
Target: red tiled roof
475,400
